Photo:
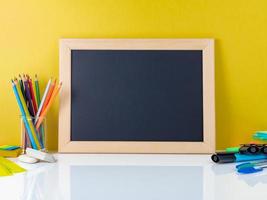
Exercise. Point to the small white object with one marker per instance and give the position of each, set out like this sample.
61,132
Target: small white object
27,159
40,155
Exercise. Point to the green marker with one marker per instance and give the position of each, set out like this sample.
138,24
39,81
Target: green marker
232,149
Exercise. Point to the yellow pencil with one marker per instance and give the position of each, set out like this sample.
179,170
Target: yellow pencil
40,119
28,116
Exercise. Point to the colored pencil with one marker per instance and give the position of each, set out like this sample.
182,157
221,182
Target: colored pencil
23,137
28,140
28,96
33,108
32,95
22,86
37,91
38,100
28,116
40,119
50,92
23,113
43,100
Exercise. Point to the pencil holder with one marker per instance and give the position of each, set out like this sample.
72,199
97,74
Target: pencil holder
30,135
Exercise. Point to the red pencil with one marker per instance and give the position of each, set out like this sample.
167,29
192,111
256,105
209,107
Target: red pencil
33,96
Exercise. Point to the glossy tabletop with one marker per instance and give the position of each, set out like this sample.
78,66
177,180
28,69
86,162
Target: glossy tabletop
132,177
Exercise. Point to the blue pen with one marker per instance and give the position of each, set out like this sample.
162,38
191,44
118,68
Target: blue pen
251,167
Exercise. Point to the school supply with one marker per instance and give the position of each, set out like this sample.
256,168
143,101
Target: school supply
49,94
35,143
8,147
12,153
253,149
33,111
114,101
37,91
246,152
27,159
43,113
40,155
260,135
229,157
251,167
43,100
32,95
29,100
4,171
249,149
25,114
8,167
22,87
232,149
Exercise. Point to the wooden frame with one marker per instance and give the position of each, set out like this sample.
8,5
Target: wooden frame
208,144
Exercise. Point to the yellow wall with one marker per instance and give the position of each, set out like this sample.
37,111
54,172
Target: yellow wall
30,30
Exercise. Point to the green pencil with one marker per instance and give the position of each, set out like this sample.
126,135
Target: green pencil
37,91
38,99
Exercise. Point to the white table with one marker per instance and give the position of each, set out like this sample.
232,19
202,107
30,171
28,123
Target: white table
133,177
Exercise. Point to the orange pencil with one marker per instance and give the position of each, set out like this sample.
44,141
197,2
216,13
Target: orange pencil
49,95
40,119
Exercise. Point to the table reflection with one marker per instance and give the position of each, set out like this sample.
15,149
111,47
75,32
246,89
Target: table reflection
136,182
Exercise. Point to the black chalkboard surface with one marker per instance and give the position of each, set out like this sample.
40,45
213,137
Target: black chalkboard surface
136,95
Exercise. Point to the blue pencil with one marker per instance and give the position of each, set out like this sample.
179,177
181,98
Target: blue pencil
23,115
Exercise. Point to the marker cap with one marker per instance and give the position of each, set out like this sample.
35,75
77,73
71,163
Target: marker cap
223,157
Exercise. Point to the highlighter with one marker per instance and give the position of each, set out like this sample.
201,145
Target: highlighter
232,149
229,157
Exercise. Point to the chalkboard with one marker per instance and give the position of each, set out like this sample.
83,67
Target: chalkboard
136,95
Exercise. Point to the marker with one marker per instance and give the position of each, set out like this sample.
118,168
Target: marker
226,157
250,149
261,135
232,149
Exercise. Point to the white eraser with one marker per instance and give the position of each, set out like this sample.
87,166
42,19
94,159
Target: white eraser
40,155
27,159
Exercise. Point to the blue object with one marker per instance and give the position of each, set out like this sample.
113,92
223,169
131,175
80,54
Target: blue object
12,148
228,157
251,167
24,116
249,170
243,165
261,135
241,157
251,164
